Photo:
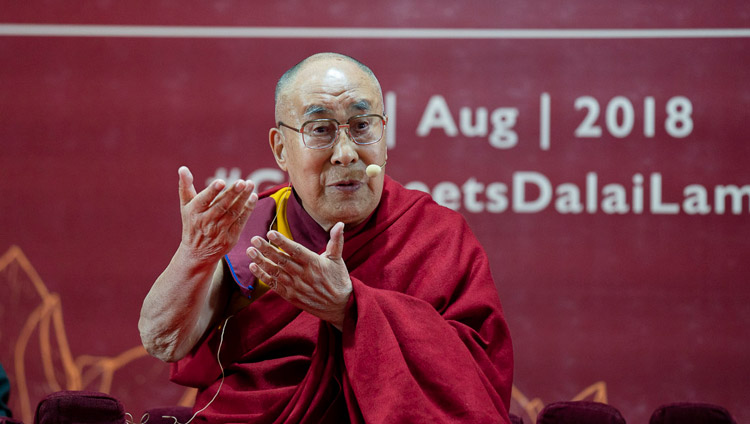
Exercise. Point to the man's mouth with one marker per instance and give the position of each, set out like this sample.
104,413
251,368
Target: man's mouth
347,185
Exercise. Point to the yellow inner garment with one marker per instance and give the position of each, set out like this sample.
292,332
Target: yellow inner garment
279,223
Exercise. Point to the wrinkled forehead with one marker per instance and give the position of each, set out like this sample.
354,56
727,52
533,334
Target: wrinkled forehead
335,88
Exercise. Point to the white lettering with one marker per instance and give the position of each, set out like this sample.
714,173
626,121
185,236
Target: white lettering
520,204
390,112
696,200
591,195
447,194
656,205
614,199
497,196
418,185
479,129
568,199
437,115
265,178
736,193
532,192
503,120
471,189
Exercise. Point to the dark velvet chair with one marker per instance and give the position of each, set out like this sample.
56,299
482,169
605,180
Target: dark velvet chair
515,419
691,413
579,412
79,407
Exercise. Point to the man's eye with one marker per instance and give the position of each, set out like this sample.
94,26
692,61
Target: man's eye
363,125
321,129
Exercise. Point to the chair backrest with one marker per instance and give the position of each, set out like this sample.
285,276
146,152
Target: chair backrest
515,419
579,412
79,407
691,413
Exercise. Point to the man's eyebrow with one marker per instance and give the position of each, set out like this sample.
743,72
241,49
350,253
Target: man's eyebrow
316,109
362,106
359,106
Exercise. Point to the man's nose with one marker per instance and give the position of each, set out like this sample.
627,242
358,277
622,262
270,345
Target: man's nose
345,149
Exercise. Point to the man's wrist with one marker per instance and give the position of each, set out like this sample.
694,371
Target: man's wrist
194,261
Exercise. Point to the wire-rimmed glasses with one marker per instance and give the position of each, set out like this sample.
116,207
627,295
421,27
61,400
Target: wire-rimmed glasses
323,133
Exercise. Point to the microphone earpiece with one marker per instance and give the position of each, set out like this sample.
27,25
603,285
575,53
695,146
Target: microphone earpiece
373,170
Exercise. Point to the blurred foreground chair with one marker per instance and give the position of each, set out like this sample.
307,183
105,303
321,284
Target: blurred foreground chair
691,413
514,419
579,412
79,407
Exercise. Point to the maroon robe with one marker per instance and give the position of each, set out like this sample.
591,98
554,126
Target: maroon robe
424,339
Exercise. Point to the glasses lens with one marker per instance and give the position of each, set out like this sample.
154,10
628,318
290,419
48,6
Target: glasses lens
366,129
319,134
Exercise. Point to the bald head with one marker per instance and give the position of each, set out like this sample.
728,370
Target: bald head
330,182
287,79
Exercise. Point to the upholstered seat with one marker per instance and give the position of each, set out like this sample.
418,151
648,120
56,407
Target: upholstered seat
79,407
515,419
691,413
579,412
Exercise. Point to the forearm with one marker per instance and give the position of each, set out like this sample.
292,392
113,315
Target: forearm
181,305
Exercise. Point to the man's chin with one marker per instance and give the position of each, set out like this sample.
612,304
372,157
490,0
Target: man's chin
352,217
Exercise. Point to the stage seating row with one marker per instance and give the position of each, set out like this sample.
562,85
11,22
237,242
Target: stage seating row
86,407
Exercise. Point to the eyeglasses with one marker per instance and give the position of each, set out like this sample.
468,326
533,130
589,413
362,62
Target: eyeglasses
323,133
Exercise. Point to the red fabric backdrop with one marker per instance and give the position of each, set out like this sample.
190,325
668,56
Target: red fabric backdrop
605,173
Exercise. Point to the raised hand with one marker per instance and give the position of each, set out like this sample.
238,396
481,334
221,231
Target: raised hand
212,220
318,284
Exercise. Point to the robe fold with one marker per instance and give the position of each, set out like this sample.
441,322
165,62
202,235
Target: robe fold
424,338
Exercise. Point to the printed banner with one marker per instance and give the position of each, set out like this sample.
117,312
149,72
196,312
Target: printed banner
602,164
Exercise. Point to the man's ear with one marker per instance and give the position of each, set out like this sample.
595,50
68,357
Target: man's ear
278,147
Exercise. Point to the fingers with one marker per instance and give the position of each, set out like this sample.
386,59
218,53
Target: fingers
278,266
247,208
270,258
237,202
335,247
294,250
269,271
185,186
210,195
232,202
291,256
262,275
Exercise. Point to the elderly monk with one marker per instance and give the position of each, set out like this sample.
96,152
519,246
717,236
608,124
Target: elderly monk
352,299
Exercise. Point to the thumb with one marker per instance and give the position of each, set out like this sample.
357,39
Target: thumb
186,188
335,247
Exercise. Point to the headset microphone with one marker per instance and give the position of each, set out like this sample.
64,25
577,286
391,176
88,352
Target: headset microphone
374,170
